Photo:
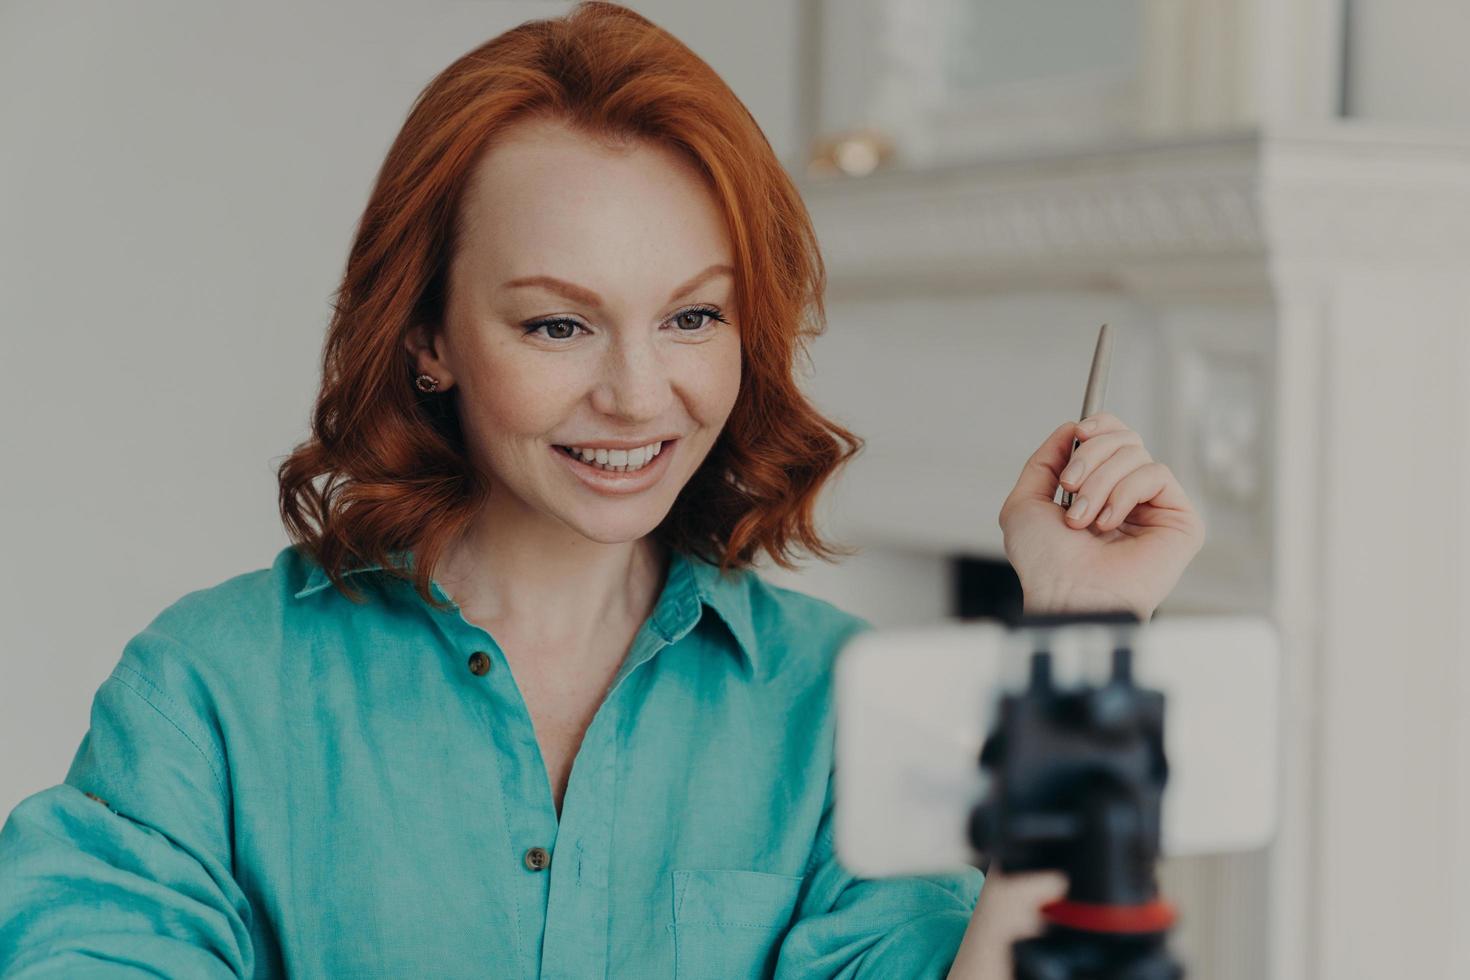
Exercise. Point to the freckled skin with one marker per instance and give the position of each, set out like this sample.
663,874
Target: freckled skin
630,223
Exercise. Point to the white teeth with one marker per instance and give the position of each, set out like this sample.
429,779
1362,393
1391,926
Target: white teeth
649,451
616,460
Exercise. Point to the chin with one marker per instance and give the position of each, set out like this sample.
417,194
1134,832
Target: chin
615,531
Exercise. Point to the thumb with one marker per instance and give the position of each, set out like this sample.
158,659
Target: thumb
1008,911
1042,473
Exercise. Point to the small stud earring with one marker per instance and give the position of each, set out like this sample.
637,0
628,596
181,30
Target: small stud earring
426,382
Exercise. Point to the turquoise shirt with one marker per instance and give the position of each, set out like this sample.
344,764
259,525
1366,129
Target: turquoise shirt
280,782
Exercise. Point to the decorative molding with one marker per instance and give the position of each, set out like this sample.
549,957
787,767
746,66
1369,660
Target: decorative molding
1097,212
1110,212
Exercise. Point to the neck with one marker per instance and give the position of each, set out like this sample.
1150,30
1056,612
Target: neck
540,580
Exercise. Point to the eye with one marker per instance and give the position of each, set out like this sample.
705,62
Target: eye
696,313
687,321
550,325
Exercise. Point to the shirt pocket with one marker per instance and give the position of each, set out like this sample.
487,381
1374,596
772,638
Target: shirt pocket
729,923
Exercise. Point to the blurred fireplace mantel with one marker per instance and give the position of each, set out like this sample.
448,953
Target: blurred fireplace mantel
1294,337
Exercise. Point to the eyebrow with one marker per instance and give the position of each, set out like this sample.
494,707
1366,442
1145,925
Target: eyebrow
585,296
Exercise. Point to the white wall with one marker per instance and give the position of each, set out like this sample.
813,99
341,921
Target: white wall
1407,61
178,187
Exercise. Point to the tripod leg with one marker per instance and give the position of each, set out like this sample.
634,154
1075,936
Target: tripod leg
1062,954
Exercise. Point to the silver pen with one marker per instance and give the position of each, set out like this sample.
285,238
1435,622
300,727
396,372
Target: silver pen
1097,386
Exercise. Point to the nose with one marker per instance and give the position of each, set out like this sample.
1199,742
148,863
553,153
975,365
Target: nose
634,383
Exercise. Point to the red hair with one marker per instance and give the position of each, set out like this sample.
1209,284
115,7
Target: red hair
393,469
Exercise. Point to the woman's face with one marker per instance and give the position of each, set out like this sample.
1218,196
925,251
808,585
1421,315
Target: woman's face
583,311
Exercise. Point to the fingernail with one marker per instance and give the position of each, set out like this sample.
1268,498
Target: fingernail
1106,513
1087,425
1079,506
1072,473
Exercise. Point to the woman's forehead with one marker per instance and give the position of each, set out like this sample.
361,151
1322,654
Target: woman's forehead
559,204
544,166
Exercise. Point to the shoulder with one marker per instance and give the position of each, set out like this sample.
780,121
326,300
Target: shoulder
200,639
785,606
240,602
796,629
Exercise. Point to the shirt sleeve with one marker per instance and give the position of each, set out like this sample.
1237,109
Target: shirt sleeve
894,928
850,928
123,869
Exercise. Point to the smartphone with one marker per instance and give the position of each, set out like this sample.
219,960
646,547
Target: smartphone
914,706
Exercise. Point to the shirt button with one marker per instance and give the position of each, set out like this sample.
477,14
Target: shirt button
479,663
538,858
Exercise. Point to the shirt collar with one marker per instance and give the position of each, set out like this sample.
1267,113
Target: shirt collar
727,595
317,579
692,584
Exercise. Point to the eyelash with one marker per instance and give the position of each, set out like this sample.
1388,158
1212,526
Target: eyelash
709,311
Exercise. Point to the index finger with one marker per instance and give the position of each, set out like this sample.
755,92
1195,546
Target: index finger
1042,473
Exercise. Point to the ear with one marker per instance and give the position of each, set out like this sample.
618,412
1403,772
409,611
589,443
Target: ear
422,347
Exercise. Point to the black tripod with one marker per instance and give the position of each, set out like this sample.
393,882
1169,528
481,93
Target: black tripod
1077,779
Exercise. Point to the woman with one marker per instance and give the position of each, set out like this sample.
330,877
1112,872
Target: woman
513,702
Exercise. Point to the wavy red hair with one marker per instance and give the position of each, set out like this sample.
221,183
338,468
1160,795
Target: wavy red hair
385,469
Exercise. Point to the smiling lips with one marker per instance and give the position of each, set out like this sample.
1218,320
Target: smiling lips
614,460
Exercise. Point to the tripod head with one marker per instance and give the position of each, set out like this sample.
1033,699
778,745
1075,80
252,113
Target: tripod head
1077,779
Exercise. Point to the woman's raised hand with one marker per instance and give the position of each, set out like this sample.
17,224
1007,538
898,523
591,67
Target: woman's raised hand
1127,538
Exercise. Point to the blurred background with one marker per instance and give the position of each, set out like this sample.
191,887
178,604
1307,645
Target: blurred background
1269,200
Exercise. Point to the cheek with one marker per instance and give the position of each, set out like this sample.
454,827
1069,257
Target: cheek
719,383
518,396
